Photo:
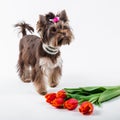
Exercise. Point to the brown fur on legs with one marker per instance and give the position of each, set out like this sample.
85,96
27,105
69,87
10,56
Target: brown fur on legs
55,76
39,83
26,77
42,53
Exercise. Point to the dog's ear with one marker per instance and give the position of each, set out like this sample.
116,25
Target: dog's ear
41,24
63,16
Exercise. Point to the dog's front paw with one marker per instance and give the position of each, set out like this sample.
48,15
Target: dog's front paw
42,92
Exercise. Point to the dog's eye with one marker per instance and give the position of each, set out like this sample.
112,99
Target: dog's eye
53,29
65,27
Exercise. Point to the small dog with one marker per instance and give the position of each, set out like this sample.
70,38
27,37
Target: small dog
39,57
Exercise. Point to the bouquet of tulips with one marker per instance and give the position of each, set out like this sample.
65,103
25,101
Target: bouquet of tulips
69,98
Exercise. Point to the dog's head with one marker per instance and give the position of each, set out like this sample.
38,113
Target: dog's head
54,29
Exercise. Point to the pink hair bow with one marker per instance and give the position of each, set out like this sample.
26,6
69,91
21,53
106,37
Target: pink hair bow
55,19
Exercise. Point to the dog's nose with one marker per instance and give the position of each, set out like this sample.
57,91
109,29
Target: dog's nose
60,41
64,33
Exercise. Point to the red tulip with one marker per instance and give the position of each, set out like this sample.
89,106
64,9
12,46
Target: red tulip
71,104
50,97
58,102
86,108
61,94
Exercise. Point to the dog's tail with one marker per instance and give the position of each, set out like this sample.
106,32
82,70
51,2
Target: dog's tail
23,27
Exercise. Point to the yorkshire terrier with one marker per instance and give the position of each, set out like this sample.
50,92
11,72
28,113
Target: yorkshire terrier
39,57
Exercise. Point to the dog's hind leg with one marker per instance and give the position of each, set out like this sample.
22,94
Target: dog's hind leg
23,70
26,77
20,65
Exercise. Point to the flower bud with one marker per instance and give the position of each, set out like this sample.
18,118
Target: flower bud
50,97
71,104
58,102
86,108
61,94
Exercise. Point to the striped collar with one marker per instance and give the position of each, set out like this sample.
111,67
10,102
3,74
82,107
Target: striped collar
49,49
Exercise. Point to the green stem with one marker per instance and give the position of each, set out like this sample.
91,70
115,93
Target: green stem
95,94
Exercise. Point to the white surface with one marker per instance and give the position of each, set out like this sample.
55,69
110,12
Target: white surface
92,59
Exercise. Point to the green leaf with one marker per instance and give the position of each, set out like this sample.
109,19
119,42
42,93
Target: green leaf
86,90
109,94
94,94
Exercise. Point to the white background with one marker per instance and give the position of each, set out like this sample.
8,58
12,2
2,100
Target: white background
92,59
